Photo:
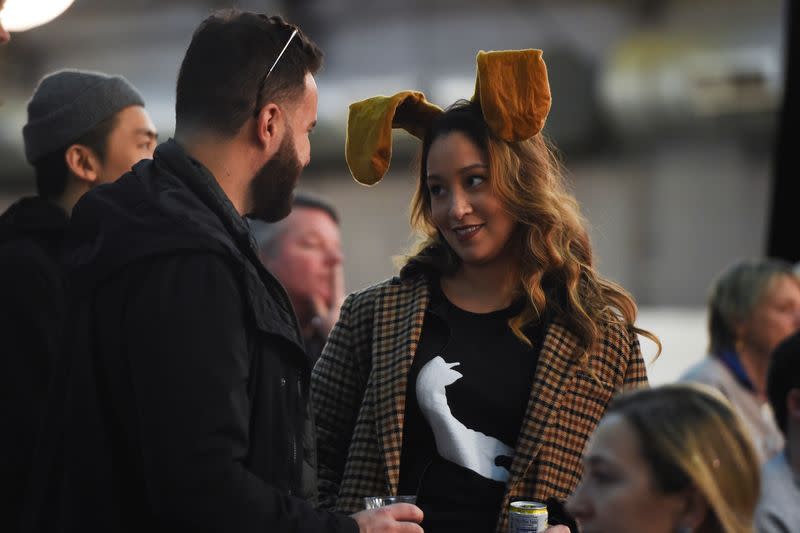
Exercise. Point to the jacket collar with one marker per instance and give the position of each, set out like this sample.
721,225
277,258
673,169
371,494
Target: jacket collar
172,204
257,278
553,372
733,362
205,186
400,313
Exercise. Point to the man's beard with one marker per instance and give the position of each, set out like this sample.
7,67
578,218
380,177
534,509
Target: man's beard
272,189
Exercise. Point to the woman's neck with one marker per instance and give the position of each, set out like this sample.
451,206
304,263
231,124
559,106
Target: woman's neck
483,288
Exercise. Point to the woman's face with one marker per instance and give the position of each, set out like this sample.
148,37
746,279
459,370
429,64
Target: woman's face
617,492
463,206
774,318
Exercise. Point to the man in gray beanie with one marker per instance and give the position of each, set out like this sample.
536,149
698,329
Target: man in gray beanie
83,129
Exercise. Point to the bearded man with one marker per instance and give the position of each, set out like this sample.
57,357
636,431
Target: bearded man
181,403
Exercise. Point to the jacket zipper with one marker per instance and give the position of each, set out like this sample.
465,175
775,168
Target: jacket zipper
294,439
294,460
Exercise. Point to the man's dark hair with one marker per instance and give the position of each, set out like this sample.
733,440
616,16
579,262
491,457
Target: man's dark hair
783,376
51,170
222,78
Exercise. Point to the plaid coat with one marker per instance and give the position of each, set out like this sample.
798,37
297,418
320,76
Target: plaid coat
358,390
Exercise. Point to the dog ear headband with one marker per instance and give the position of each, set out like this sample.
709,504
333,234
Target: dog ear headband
511,87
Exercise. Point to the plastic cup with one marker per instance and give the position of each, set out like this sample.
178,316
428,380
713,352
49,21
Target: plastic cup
375,502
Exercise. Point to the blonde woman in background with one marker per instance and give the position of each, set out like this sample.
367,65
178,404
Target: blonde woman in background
666,460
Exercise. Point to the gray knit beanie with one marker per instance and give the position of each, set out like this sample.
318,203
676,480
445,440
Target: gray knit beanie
69,103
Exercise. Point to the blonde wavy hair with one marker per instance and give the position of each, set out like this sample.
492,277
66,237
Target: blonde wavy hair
556,271
691,437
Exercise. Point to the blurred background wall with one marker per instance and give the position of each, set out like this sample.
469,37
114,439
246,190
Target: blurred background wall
664,111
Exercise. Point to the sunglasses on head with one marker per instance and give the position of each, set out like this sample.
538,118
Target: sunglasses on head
264,79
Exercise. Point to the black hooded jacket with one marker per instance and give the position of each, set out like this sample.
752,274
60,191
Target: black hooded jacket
181,403
31,316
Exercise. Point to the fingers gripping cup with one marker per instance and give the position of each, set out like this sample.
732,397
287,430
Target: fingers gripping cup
374,502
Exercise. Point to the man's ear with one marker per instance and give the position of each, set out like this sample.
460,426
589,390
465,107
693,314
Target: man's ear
83,163
695,510
270,124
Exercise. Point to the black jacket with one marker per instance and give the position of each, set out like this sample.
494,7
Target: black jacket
182,401
31,315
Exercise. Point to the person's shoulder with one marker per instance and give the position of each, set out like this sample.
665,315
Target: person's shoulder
614,342
368,295
23,248
616,332
27,258
198,262
706,370
774,511
776,473
195,271
401,291
191,279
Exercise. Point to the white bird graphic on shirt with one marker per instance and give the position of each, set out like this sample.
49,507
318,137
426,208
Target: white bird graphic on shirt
455,441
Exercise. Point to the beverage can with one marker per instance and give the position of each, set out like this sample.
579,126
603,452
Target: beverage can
527,517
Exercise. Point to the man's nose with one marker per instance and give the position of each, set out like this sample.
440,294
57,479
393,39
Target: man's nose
335,257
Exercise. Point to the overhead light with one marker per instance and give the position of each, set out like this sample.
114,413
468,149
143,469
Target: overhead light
22,15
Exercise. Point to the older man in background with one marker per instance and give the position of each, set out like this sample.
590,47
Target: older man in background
304,251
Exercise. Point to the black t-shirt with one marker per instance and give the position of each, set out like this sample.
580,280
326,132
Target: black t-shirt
468,390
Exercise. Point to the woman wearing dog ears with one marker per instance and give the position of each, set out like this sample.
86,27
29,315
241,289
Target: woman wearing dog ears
475,378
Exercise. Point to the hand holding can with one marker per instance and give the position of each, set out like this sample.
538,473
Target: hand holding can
528,517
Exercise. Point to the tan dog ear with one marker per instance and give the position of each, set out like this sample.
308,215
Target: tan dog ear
368,146
513,91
